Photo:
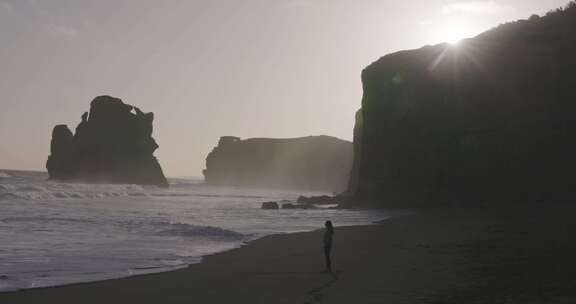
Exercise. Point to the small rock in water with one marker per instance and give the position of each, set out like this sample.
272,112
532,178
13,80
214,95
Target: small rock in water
270,205
318,200
297,206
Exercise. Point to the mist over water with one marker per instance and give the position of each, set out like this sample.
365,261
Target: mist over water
59,233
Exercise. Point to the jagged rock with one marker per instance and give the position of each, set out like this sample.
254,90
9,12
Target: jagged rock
306,163
489,120
270,205
61,152
113,143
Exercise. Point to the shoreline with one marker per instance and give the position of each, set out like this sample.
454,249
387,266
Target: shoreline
183,267
477,255
14,295
160,241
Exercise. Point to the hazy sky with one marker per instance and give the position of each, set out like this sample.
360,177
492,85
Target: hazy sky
207,68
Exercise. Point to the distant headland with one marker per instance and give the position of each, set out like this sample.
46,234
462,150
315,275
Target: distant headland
113,143
305,163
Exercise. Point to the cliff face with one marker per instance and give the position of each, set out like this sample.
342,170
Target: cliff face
113,143
313,163
355,172
492,119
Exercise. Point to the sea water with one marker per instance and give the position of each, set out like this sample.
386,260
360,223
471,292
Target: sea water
54,233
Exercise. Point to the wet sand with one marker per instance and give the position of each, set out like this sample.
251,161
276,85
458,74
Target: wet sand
512,255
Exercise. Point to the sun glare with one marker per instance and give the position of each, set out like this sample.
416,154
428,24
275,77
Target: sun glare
451,34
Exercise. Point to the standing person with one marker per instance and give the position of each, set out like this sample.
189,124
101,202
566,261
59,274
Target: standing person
328,244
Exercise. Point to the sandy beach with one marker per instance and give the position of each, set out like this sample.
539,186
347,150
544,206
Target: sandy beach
513,255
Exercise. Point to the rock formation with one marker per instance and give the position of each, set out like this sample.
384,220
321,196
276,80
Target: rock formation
307,163
270,205
113,143
491,120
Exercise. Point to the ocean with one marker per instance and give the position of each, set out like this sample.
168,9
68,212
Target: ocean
54,233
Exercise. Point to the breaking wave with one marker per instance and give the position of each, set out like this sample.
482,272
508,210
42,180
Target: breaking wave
208,232
50,191
83,191
40,220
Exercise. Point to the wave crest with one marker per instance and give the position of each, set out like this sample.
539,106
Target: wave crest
67,191
210,232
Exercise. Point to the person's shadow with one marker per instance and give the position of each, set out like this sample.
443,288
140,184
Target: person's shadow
315,295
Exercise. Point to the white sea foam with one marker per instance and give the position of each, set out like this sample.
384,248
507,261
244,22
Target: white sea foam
59,233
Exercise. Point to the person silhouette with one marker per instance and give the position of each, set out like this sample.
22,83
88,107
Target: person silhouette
328,233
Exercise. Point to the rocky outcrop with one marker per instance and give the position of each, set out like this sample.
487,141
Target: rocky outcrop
488,121
270,205
113,143
306,163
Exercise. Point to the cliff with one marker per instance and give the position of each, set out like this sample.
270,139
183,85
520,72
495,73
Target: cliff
490,120
113,143
306,163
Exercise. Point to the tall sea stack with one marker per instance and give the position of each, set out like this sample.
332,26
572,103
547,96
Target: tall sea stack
113,144
306,163
491,120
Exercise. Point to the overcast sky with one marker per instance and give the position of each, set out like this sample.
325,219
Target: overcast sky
207,68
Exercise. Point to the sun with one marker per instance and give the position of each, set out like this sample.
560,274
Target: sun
451,34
